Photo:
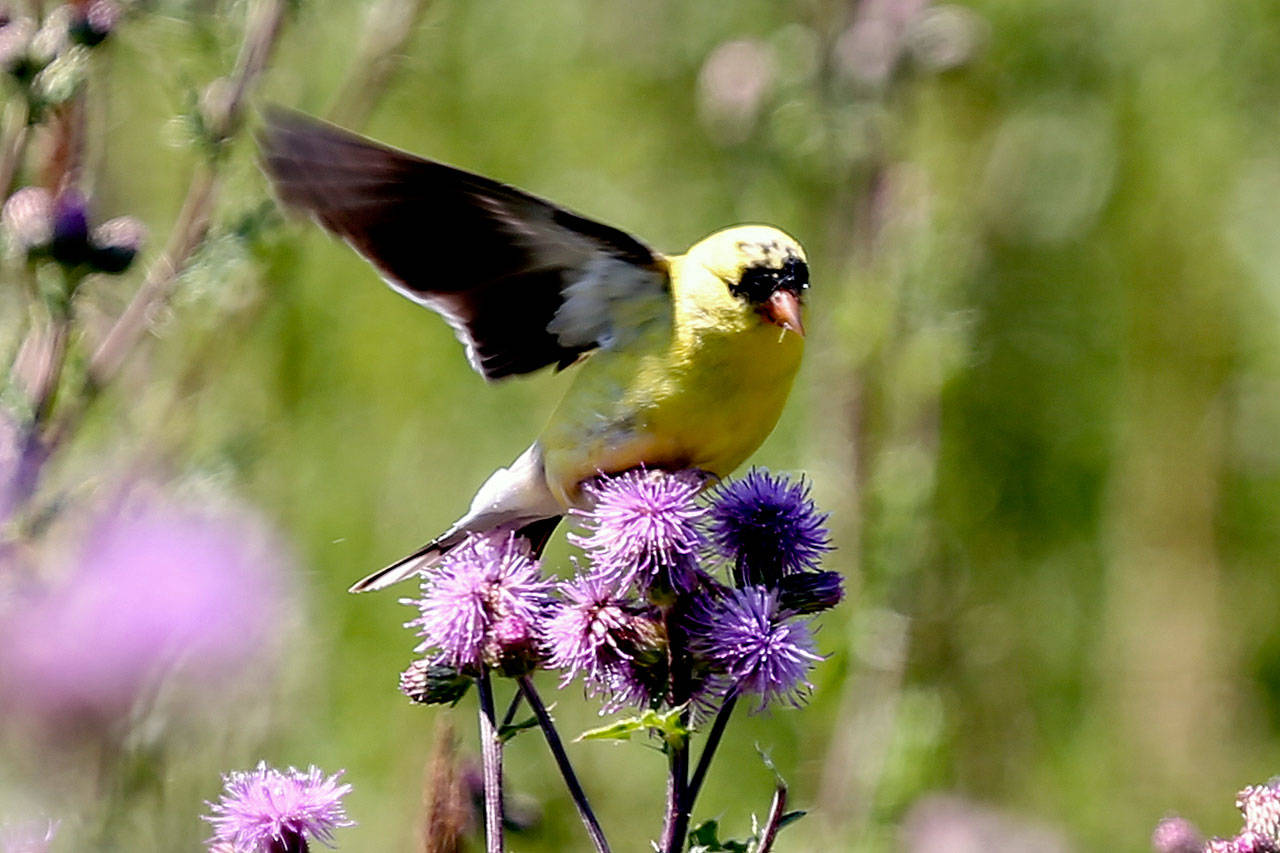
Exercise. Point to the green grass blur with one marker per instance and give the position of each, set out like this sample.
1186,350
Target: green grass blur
1041,400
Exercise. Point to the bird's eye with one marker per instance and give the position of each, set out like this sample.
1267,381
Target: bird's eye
759,283
756,284
795,275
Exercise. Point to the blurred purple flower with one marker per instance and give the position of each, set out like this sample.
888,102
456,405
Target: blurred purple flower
27,217
768,526
70,244
742,633
153,586
93,21
1176,835
115,243
266,811
484,602
643,528
32,836
599,634
1260,805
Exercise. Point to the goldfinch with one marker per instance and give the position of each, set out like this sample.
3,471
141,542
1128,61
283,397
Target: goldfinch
682,361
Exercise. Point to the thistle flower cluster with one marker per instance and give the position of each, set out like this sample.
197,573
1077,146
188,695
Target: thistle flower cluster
40,225
45,58
644,621
265,810
1259,805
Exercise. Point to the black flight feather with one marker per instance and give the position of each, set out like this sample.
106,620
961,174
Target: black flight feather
492,259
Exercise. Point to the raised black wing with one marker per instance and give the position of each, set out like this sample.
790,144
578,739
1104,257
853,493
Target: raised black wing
523,283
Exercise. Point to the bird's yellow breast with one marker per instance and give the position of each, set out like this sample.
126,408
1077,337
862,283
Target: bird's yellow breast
701,388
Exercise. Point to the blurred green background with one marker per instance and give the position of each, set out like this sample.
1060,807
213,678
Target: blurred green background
1041,399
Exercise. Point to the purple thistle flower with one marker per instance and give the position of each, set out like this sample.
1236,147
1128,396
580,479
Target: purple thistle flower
27,216
644,528
93,22
604,637
1176,835
1260,805
1247,841
266,811
115,243
70,243
742,633
483,606
154,586
768,526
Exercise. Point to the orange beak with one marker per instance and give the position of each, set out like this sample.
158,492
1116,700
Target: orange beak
783,309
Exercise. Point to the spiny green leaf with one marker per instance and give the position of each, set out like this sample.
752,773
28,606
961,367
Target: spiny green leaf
668,725
705,838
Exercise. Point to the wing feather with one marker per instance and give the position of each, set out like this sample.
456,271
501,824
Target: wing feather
523,283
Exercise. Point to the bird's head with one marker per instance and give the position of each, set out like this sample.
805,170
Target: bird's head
763,270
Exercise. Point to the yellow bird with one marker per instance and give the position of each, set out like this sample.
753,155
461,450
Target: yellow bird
686,361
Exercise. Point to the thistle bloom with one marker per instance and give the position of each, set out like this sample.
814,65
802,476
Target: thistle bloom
644,528
602,636
1260,805
266,811
1246,842
27,217
1176,835
155,585
742,634
482,605
769,527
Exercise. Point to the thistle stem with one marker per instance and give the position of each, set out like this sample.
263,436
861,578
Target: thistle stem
491,756
562,761
511,710
676,824
709,751
774,823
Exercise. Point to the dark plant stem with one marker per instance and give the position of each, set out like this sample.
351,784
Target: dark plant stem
776,811
562,761
709,751
491,756
511,710
676,825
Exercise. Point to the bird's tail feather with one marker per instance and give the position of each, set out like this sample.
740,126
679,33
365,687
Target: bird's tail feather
536,532
515,498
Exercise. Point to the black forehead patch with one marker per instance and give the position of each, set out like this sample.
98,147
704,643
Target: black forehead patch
758,283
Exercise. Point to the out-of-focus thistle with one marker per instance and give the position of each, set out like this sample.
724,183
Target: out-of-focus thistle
156,588
644,622
41,226
92,22
1259,805
265,810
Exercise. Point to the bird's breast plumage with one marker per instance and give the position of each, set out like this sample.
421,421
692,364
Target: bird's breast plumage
700,388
